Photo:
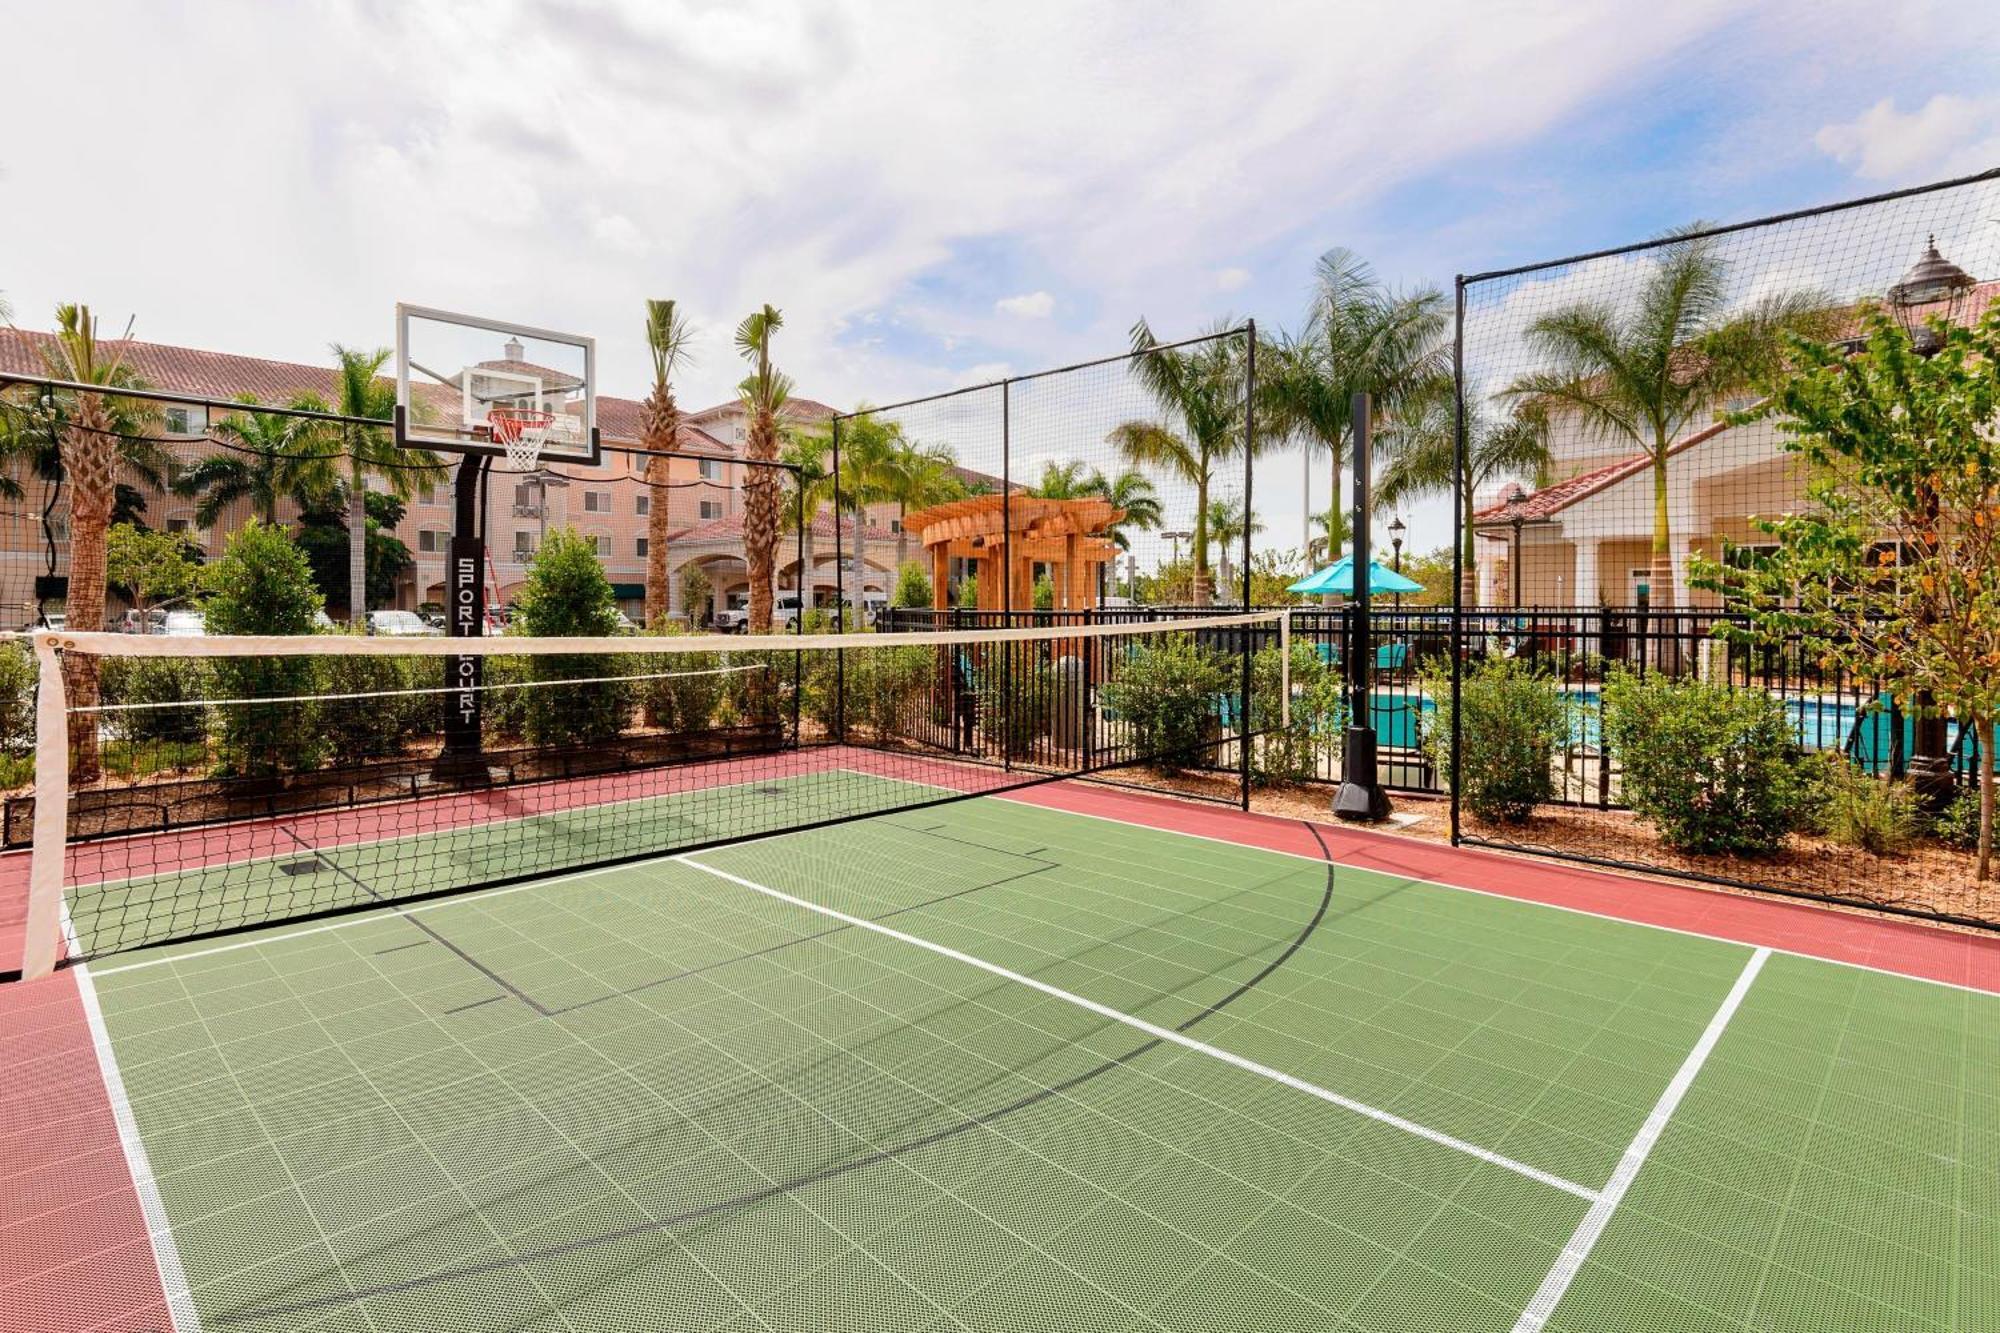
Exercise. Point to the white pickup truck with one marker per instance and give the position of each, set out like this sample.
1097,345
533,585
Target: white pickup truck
784,615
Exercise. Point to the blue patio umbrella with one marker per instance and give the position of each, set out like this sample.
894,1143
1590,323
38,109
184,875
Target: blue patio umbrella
1338,577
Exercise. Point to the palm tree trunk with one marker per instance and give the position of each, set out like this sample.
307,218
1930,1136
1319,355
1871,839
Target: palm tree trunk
1203,591
760,518
90,459
853,617
1660,574
357,550
806,557
658,595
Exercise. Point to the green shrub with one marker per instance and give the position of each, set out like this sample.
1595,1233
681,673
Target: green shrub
178,681
1294,753
968,593
1014,702
888,688
17,698
686,691
1854,809
1711,768
1044,594
567,595
1168,690
913,587
1515,717
503,705
1957,825
385,721
263,584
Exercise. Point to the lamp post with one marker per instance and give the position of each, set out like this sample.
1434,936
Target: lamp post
1177,538
1517,514
1933,292
1396,530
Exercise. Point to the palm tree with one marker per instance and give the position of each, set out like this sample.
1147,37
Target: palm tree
1202,385
1420,449
266,458
805,453
918,476
764,391
99,435
1646,370
869,448
1359,337
1226,522
361,390
668,333
1137,502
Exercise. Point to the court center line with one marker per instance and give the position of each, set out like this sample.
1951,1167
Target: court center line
181,1312
1570,1262
1154,1030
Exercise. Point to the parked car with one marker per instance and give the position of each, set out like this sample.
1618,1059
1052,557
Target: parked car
140,622
626,625
183,625
55,621
784,615
400,624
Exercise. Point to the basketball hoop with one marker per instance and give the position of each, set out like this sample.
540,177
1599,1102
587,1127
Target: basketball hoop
522,432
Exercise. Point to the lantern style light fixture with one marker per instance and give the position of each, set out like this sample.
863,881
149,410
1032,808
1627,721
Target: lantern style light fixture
1933,289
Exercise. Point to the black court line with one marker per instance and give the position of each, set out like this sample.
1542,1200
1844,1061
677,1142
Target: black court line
833,1172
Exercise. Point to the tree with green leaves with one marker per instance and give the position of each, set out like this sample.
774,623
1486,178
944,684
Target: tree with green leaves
100,435
668,333
566,595
1227,524
1644,372
764,392
262,584
327,541
917,476
150,567
1199,391
1359,337
361,390
869,449
805,454
265,458
1891,572
1420,448
1135,497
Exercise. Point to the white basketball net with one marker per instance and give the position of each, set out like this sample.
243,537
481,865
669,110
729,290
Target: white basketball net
524,447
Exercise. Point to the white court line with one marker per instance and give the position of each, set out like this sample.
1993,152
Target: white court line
166,1254
1154,1030
1570,1262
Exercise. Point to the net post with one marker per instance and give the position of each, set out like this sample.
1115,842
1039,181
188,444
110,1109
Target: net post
42,938
1285,668
1006,575
804,584
1459,501
1243,729
839,599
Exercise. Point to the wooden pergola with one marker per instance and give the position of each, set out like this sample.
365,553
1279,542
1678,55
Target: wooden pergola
1005,537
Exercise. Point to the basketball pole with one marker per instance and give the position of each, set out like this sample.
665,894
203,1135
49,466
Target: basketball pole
465,618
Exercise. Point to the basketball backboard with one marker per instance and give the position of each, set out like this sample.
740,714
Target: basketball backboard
464,383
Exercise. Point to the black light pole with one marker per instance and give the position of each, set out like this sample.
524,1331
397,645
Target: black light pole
1517,514
1933,289
1396,531
1361,798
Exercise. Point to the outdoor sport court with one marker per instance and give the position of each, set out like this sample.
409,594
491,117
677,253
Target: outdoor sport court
1026,1062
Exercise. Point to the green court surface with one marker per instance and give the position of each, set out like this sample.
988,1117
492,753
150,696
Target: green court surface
994,1066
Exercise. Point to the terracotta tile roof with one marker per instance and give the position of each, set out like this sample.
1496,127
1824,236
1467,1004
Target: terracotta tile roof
1546,503
795,409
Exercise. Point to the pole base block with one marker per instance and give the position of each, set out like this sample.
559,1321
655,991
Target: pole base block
1360,799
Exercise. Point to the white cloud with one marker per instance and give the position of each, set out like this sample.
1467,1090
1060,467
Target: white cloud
1231,279
1028,305
1946,136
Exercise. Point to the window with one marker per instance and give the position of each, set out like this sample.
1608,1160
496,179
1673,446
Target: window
597,502
524,495
433,541
711,509
524,544
644,504
184,420
600,544
711,469
642,548
427,495
185,526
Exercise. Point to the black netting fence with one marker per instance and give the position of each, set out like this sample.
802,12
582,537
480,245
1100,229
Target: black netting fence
1653,669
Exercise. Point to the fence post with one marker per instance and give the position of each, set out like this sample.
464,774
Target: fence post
42,940
1243,728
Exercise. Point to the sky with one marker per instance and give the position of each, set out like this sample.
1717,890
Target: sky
934,195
